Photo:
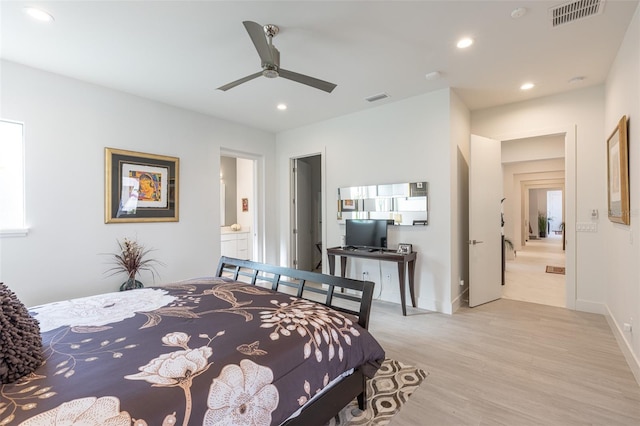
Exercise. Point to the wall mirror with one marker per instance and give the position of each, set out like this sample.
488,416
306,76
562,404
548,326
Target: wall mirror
405,203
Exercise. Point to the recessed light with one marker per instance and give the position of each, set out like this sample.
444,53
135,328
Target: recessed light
527,86
463,43
38,14
433,75
282,107
518,12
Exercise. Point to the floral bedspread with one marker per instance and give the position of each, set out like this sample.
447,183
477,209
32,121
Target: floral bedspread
205,351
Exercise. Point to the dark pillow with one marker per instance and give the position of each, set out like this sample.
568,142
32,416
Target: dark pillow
20,340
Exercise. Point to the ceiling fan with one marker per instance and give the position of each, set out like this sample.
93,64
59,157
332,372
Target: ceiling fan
270,58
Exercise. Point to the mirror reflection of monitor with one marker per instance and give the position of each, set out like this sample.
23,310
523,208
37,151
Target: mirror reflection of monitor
367,233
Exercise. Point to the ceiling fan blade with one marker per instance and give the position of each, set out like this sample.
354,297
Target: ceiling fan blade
309,81
259,39
240,81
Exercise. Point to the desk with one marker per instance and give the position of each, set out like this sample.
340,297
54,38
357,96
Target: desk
403,260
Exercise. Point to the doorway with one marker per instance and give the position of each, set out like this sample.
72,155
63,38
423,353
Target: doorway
306,213
536,264
240,206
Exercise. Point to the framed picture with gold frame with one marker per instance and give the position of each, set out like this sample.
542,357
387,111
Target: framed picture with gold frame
618,174
140,187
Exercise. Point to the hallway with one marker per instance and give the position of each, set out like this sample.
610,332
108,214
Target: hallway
526,279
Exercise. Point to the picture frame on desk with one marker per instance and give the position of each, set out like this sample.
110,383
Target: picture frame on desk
405,248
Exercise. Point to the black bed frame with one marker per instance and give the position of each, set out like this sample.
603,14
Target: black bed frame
306,285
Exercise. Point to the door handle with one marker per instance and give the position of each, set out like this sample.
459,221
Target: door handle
474,242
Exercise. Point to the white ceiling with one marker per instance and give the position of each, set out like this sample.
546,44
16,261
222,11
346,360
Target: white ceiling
179,52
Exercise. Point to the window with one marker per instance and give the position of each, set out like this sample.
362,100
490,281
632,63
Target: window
12,214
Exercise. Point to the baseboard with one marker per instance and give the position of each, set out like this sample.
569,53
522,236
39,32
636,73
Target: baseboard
625,347
421,303
591,307
460,300
431,305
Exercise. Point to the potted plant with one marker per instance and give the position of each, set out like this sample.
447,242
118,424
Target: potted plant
509,247
131,259
542,225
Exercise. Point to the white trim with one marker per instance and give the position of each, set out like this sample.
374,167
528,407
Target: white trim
623,343
458,301
11,233
591,307
18,232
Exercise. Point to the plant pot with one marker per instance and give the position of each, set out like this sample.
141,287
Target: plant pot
131,284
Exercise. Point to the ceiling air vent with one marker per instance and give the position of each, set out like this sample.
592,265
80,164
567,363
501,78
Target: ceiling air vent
377,97
575,10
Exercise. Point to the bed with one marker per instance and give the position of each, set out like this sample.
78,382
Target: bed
255,344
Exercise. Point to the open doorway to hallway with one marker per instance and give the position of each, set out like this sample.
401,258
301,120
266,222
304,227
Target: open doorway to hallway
534,184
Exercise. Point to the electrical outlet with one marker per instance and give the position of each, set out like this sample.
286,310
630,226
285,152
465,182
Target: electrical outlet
365,276
388,278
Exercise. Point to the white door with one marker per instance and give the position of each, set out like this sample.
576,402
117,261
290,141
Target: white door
485,239
303,216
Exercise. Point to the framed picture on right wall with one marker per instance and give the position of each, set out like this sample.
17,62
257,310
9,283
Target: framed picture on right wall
618,174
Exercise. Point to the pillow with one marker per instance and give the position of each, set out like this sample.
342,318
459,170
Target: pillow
20,340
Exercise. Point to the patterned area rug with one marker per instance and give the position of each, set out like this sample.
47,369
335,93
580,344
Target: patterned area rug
391,387
555,270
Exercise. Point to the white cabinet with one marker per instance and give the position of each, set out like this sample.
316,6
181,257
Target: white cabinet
235,244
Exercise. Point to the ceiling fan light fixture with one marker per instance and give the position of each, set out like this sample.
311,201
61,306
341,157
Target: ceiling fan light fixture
270,73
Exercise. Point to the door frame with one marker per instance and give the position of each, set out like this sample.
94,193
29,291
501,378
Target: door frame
292,206
259,190
548,184
570,170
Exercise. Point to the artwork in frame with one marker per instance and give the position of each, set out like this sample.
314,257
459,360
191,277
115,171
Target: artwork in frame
245,204
405,248
618,174
140,187
349,204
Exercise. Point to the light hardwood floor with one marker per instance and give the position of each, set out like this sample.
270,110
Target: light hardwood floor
526,279
510,363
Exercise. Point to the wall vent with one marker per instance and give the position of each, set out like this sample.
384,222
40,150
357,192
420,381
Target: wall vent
575,10
377,97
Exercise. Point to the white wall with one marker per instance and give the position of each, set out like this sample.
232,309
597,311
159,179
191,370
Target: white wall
404,141
621,258
460,127
68,124
530,149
